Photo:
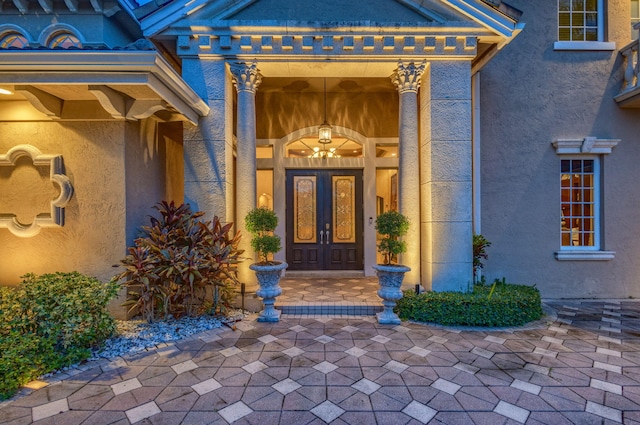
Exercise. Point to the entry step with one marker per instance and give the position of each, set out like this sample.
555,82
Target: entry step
330,309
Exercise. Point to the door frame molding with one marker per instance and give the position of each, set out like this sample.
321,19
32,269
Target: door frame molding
368,163
325,213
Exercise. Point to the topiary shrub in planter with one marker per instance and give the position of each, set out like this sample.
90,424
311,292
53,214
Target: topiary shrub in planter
391,225
261,223
181,265
49,322
498,305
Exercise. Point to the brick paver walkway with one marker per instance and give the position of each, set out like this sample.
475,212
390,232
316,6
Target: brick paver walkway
582,367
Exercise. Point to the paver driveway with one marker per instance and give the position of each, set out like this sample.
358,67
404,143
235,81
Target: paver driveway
581,367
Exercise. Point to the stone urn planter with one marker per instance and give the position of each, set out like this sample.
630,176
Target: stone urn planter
261,223
391,225
390,279
268,276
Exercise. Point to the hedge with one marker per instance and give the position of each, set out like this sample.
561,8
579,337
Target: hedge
49,322
504,305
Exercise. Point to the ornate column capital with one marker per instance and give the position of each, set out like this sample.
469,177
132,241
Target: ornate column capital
246,77
407,77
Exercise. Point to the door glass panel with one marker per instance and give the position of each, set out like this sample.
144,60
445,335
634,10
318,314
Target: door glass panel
344,222
304,209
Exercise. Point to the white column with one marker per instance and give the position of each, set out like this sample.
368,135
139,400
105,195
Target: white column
446,179
246,78
407,78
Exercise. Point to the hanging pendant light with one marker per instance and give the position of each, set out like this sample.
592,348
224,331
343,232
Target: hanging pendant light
324,135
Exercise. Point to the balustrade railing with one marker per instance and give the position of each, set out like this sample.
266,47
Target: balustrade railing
631,65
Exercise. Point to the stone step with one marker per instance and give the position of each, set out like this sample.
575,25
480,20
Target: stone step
330,308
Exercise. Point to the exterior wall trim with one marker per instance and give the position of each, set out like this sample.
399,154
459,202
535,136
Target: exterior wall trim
111,68
55,218
585,255
584,45
588,145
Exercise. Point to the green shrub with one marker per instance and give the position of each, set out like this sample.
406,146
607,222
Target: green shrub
480,245
261,222
48,322
391,225
508,305
181,265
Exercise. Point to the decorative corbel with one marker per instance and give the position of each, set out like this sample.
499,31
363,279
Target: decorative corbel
44,102
112,101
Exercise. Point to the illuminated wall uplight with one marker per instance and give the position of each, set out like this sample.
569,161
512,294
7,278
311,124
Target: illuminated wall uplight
5,91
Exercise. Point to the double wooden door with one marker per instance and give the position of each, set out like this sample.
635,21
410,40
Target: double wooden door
324,219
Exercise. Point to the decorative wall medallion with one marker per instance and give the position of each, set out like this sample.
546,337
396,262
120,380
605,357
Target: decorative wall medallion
55,217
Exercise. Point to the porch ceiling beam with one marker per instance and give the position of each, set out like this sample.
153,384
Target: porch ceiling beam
44,102
112,101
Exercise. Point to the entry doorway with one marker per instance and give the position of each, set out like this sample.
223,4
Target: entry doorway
324,219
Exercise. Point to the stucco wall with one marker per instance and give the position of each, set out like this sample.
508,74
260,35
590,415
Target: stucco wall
154,171
335,10
110,201
532,95
93,237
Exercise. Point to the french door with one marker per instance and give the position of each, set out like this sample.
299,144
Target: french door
324,219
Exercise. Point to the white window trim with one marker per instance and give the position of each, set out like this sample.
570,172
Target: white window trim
596,195
589,147
600,44
584,45
573,255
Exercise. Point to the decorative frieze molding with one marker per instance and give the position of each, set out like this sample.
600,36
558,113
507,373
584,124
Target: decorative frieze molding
327,44
588,145
407,77
246,77
55,218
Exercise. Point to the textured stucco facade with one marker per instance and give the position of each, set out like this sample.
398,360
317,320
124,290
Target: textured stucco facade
116,175
94,231
471,95
532,95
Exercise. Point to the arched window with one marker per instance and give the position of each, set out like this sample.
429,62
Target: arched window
13,40
64,40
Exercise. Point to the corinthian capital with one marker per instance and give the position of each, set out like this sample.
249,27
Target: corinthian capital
407,77
246,77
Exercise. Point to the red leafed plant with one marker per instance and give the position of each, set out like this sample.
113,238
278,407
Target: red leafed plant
181,265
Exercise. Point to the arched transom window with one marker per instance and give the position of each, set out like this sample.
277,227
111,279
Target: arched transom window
13,40
64,40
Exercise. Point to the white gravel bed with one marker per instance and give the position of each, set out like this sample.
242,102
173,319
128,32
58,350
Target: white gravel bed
138,335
